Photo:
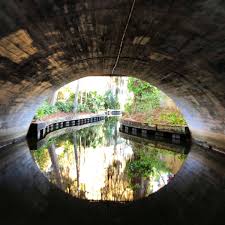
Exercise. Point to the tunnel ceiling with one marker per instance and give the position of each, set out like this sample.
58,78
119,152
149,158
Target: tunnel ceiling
176,45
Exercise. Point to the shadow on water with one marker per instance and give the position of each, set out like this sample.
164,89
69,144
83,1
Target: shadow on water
100,163
27,196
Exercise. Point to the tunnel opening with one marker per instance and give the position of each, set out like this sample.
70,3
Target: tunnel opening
177,46
131,97
109,139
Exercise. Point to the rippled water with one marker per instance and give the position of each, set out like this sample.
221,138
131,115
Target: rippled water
100,163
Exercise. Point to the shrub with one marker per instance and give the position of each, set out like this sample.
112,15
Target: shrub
47,109
93,103
64,106
83,108
128,108
173,118
44,110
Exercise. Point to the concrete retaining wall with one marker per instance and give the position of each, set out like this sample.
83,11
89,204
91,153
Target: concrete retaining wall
177,134
39,130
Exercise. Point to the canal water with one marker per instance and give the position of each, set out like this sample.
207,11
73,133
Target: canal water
100,163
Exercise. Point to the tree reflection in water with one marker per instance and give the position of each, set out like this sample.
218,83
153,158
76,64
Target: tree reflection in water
96,163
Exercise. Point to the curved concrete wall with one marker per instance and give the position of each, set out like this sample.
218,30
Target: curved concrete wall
177,46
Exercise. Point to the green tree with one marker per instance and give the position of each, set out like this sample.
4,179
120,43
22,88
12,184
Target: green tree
146,96
146,162
111,100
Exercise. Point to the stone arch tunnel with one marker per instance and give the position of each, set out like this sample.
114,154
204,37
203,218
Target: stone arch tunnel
175,45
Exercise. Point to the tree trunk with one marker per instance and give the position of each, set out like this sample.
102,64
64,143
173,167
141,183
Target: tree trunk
52,100
55,165
81,98
86,96
77,161
75,104
115,138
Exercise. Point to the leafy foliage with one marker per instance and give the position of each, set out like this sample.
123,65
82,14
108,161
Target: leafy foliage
64,106
41,156
145,105
128,108
111,101
48,109
45,109
92,103
139,87
146,163
173,118
146,96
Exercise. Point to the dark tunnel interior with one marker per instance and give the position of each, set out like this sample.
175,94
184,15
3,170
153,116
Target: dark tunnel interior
176,45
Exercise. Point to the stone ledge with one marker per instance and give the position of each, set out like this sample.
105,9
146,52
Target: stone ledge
210,147
39,130
12,141
177,134
36,144
157,127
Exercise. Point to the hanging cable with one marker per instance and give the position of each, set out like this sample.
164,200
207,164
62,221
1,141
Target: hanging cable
124,33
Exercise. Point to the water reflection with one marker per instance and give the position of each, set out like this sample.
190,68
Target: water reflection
96,163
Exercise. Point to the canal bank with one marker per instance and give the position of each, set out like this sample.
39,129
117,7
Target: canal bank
176,134
41,128
96,162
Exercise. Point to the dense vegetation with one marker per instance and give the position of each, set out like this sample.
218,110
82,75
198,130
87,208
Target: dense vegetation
92,102
145,163
149,164
146,105
146,97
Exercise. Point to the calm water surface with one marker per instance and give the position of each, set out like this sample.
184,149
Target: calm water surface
97,163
